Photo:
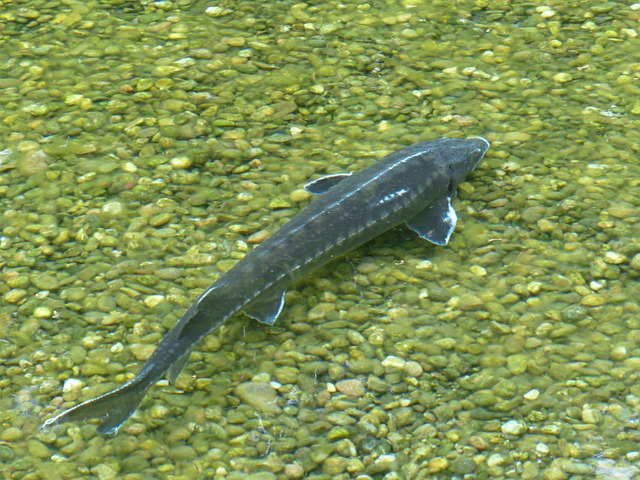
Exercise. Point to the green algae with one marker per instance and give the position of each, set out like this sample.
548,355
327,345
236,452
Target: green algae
102,217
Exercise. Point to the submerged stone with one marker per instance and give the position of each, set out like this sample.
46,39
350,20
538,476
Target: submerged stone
260,395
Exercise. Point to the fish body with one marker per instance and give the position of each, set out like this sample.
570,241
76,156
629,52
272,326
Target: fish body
413,185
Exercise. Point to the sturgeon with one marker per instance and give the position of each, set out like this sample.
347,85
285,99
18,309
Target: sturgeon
413,185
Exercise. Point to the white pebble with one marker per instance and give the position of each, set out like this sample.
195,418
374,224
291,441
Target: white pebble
393,363
181,162
514,427
495,460
614,258
542,448
153,300
42,312
72,385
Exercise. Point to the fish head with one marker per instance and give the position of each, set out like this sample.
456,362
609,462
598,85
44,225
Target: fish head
461,156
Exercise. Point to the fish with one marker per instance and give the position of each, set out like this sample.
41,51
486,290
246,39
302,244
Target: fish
413,185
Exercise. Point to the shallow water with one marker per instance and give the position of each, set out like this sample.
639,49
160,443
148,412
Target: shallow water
145,147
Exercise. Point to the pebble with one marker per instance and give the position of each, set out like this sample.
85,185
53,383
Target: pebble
182,452
578,468
142,351
593,300
393,364
334,465
181,162
11,434
366,366
546,226
621,212
319,311
521,137
160,219
619,353
159,411
46,282
153,301
554,473
542,448
469,302
574,313
319,453
346,448
15,295
530,471
591,416
462,466
216,11
74,294
478,270
551,429
382,464
548,13
43,312
37,449
562,77
299,195
259,236
614,258
514,427
496,460
260,395
113,208
104,472
517,364
36,109
478,442
352,388
534,287
293,471
338,433
169,273
437,464
446,343
340,418
71,388
413,369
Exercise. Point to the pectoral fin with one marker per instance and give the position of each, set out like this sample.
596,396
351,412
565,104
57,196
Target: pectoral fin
323,184
176,368
265,310
436,222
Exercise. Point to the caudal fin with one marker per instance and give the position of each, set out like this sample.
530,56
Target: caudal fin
113,408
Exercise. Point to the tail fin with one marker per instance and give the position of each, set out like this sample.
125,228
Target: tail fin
113,407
